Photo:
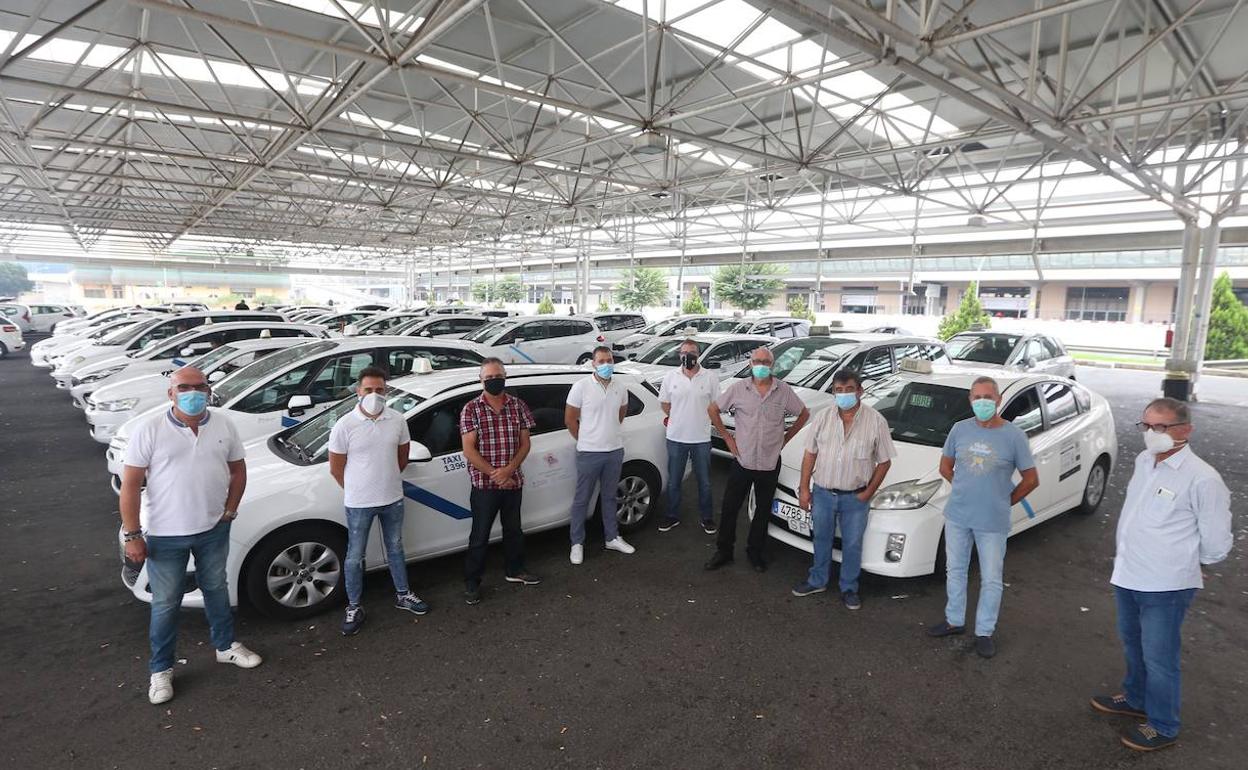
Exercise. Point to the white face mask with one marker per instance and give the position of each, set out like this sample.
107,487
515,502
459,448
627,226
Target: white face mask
1158,443
373,403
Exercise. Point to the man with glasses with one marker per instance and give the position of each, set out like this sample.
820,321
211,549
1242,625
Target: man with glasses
1176,518
685,396
759,405
192,462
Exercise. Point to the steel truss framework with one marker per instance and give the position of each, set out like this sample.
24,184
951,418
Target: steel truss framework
484,135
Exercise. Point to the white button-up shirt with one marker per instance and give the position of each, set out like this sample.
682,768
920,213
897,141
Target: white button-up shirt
688,422
1177,516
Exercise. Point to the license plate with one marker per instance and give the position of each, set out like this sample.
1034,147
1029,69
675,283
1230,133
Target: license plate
798,519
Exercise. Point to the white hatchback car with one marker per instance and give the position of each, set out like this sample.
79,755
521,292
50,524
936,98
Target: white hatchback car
668,327
298,383
10,338
1072,439
115,403
539,339
288,544
48,352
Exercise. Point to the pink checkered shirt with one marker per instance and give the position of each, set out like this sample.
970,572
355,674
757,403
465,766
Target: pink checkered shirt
498,436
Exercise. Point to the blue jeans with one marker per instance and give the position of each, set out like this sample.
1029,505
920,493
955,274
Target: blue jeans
678,454
1149,624
602,468
167,557
826,507
991,548
359,522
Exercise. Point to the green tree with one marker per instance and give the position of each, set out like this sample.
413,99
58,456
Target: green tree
694,305
969,314
1228,323
641,287
546,306
603,307
13,280
505,289
750,286
799,309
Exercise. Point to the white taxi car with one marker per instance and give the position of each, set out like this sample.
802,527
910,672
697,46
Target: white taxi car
668,327
541,339
296,384
288,544
715,351
1072,439
10,338
48,351
115,403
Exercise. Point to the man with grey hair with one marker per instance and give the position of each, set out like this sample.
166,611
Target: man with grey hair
1176,518
191,460
759,405
979,458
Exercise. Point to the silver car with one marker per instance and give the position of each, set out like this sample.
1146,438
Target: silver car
1022,352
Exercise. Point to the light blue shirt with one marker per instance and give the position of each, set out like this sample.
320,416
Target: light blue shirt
1177,516
984,461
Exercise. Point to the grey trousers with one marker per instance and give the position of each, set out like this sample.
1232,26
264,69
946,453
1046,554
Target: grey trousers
602,468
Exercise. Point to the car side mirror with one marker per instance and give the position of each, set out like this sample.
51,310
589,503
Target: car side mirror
426,334
712,365
517,339
298,403
1029,362
418,453
216,376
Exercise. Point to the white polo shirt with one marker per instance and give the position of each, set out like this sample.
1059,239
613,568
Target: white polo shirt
600,429
187,475
372,476
688,421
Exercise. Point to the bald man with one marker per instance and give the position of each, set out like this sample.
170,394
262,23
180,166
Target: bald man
192,462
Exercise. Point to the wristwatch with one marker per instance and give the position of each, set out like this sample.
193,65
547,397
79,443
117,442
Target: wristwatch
135,535
230,515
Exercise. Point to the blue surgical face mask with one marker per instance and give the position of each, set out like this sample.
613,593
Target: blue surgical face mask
984,409
846,400
605,370
760,371
192,402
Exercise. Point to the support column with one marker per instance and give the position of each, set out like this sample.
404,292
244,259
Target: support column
1203,301
1033,298
1139,299
1179,368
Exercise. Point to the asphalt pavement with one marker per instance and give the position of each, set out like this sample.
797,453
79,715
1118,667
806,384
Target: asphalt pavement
627,661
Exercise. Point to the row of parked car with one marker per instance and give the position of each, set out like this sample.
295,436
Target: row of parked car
286,375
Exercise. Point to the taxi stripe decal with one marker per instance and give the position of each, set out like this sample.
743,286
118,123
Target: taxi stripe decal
288,421
439,504
522,354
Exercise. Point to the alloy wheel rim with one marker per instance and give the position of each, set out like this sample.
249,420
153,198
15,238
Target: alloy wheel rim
633,498
1096,484
303,574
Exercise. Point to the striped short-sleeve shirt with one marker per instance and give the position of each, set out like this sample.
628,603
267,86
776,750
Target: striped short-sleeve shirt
846,460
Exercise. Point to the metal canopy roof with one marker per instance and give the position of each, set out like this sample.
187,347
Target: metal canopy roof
316,133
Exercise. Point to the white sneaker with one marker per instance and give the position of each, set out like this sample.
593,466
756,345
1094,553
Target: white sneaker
618,544
239,656
578,554
160,689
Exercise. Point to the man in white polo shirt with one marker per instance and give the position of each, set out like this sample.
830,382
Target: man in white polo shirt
596,406
367,452
192,462
685,396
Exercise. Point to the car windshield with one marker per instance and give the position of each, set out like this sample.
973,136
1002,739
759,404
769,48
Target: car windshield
667,353
106,334
132,333
384,324
209,360
800,359
489,331
918,412
260,370
308,442
982,348
170,343
731,325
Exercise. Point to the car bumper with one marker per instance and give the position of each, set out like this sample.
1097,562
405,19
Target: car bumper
116,457
79,394
104,425
64,380
921,528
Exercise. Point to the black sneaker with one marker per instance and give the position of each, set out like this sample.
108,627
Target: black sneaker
472,596
354,619
804,588
668,526
410,602
719,559
1117,705
851,600
1145,738
524,578
709,527
944,629
985,647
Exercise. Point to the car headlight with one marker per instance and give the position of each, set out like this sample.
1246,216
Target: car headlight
905,495
97,376
76,360
120,405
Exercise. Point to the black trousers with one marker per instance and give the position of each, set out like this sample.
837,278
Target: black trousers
740,480
488,504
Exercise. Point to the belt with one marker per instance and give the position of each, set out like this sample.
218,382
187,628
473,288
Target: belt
848,491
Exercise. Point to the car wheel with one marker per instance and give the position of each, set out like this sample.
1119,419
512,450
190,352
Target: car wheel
4,351
584,359
637,495
1094,487
297,572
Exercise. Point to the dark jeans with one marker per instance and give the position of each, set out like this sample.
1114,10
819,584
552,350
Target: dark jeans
487,504
1150,623
740,480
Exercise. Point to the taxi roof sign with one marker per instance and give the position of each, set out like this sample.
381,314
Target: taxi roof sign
915,366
